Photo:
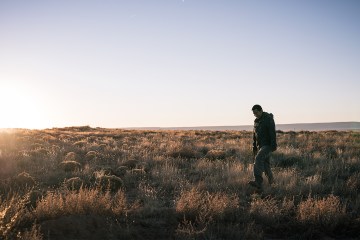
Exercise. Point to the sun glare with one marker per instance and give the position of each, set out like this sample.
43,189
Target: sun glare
19,108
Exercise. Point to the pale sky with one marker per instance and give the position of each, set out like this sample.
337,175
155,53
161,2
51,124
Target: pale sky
176,63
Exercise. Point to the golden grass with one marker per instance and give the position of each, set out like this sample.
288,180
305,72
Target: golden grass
82,202
127,184
328,212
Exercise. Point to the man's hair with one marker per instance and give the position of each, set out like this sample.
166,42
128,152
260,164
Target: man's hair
257,107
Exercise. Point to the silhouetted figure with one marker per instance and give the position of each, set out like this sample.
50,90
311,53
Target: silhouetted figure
264,143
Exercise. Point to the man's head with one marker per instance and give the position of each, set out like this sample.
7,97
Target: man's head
257,110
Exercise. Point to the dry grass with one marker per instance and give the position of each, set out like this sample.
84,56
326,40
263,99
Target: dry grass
205,206
327,212
85,183
82,202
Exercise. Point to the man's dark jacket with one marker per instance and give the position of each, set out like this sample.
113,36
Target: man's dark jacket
264,132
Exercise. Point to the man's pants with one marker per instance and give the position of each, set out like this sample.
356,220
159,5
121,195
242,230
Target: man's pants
262,164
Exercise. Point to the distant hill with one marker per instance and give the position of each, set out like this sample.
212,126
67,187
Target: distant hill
338,126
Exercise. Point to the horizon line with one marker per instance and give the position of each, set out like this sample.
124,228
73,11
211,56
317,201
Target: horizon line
179,127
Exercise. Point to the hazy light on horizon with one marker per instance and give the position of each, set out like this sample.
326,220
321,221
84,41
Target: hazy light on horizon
178,63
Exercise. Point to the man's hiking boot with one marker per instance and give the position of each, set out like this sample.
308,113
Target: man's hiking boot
255,185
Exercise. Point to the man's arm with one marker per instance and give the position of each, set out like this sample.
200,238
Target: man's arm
254,144
272,133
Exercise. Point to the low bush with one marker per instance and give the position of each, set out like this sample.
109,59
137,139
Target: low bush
70,166
327,212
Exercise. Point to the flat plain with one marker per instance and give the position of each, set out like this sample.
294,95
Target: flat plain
95,183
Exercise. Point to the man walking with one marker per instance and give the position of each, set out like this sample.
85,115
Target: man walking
264,143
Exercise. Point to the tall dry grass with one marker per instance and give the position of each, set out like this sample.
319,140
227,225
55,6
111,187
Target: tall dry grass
175,185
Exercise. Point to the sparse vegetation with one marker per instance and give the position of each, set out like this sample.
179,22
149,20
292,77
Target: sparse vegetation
86,183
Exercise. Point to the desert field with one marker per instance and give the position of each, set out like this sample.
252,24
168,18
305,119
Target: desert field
94,183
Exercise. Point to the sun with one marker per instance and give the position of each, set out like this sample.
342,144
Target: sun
20,108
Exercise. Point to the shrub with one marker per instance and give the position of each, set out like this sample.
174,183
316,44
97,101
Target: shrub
204,205
32,198
84,201
105,170
266,210
216,154
91,156
185,152
80,144
24,179
131,164
111,183
121,171
270,211
70,166
327,212
14,217
74,183
70,156
287,160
